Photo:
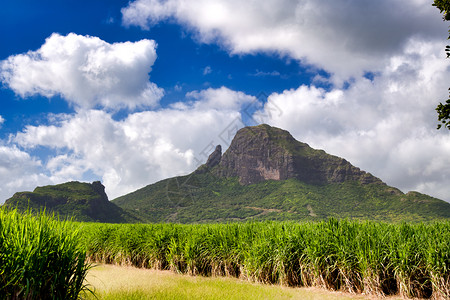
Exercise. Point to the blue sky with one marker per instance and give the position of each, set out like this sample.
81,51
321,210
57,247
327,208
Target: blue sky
130,93
198,67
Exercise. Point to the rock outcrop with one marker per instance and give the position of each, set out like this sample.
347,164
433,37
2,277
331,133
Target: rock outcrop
215,157
263,152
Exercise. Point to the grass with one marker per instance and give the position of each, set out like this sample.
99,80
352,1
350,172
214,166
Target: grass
40,257
412,260
114,282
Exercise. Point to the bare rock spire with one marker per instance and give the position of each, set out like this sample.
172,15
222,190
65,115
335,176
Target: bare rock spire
215,157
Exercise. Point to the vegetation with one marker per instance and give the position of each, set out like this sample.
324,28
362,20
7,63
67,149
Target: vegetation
78,200
203,198
377,258
40,257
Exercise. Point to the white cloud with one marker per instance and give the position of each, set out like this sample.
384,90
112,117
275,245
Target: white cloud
342,37
220,99
2,120
18,171
386,126
144,147
86,71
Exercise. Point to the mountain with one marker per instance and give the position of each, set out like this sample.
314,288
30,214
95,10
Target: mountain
264,153
82,201
266,174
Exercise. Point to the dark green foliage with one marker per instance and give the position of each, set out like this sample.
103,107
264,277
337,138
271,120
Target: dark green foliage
78,200
205,198
444,8
358,256
443,110
40,257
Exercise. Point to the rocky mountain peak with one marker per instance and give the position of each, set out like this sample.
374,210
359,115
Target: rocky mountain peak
263,152
99,188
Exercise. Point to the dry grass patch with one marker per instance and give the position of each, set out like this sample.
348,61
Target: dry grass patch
118,282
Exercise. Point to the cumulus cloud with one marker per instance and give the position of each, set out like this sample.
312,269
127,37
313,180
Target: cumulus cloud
386,126
142,148
86,71
2,120
346,38
18,171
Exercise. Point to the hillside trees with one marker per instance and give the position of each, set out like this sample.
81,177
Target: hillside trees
443,110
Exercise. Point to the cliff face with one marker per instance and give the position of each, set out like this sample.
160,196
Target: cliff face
263,152
255,155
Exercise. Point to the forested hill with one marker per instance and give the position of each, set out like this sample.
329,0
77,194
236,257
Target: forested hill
78,200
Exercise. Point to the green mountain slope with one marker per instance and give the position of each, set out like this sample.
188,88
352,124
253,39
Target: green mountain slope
267,175
198,198
82,201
